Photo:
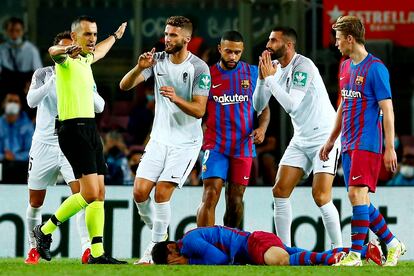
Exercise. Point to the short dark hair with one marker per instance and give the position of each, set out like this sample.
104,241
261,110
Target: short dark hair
160,252
77,21
180,21
60,36
232,36
12,21
287,32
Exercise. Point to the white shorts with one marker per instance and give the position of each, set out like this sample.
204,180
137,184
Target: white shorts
307,158
166,163
45,163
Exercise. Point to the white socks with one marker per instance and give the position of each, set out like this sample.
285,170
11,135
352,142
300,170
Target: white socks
282,215
393,243
162,219
82,230
146,211
330,218
33,218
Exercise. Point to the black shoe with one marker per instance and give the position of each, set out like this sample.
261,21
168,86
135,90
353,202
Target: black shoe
42,242
104,259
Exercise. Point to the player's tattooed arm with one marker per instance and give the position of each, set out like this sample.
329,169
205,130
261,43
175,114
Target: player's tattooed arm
259,133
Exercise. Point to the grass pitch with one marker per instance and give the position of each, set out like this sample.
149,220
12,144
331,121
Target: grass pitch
60,267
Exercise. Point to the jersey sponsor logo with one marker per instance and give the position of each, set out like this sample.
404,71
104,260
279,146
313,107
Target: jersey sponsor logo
359,80
185,76
233,99
356,177
300,78
245,177
205,81
216,85
349,94
161,74
245,84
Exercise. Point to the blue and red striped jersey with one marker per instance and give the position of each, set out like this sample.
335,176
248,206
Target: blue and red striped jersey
362,87
215,245
230,110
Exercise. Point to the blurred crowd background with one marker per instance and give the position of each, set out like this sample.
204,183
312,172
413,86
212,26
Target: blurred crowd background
29,26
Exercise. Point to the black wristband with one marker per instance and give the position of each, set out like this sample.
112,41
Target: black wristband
115,36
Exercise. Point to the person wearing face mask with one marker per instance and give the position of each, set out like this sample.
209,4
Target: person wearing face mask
16,130
19,58
116,160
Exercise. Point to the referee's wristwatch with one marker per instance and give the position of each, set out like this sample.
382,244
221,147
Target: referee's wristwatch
115,36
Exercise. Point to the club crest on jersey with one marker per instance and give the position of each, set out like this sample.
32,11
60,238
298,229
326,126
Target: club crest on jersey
205,81
185,76
245,84
300,78
359,80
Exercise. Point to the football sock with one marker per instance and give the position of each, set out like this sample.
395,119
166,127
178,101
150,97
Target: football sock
67,209
305,257
146,211
161,221
282,215
330,218
378,225
359,227
82,230
95,219
33,218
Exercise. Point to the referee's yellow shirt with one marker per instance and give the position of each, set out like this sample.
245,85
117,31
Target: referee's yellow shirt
74,87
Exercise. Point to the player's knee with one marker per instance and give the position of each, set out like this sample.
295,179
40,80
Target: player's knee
139,194
36,202
211,197
320,197
278,191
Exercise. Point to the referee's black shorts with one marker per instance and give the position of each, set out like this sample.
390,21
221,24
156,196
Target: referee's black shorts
82,146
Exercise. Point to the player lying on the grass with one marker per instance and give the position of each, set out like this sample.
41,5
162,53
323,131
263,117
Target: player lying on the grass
220,245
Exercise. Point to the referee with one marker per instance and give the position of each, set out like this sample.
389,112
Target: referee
78,136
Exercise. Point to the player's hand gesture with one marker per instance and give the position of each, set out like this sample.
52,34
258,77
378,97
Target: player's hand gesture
258,135
73,50
169,92
181,260
146,59
120,32
325,150
390,160
267,67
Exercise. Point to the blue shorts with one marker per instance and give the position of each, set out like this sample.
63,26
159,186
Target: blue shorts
233,169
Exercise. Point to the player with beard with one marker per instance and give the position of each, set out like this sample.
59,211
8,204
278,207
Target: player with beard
296,84
229,136
182,83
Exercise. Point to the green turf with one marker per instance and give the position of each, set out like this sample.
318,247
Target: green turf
15,266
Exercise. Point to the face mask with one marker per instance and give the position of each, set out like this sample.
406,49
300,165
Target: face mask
407,171
16,42
12,109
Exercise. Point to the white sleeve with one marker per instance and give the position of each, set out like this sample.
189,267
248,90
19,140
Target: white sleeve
289,102
39,88
98,102
261,96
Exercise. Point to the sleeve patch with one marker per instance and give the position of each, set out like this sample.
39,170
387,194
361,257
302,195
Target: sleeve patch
300,79
204,82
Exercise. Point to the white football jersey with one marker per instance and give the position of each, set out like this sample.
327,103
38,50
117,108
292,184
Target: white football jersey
42,94
190,78
315,116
